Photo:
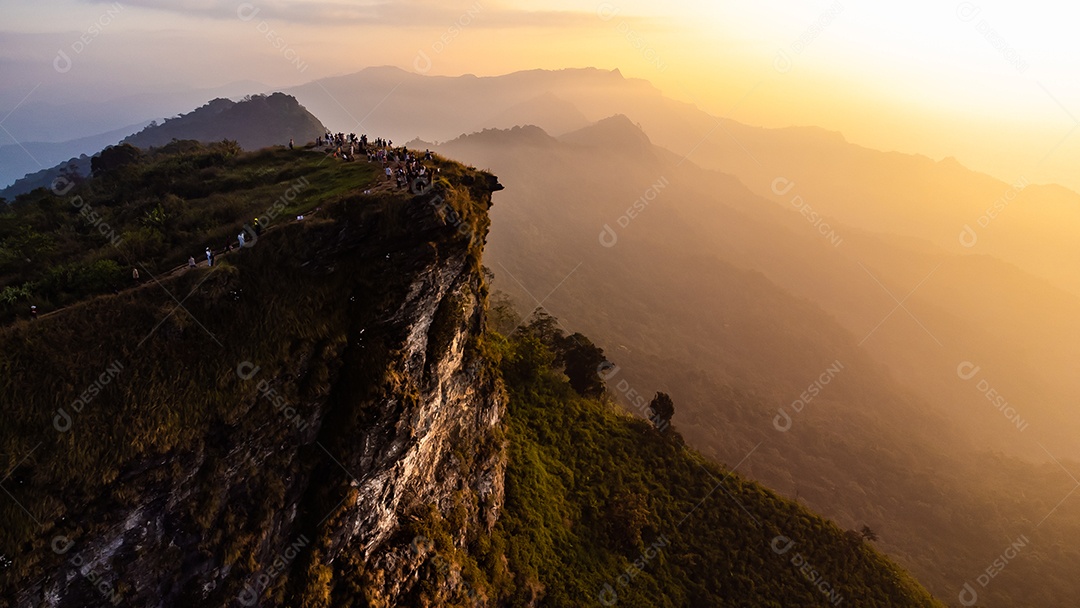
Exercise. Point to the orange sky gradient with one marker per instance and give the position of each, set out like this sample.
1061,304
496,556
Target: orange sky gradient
992,84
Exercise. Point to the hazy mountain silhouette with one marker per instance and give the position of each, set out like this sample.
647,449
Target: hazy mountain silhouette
902,194
54,129
18,160
557,115
256,122
735,305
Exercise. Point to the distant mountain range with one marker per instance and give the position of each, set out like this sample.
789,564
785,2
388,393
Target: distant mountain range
777,340
903,194
46,130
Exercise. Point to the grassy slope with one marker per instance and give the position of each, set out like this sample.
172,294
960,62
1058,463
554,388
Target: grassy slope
590,491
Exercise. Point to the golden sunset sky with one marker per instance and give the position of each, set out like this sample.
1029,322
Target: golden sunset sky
993,84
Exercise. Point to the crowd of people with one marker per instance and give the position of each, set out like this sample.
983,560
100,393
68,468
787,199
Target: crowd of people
404,167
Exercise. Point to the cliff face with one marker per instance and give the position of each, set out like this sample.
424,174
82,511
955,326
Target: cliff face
315,485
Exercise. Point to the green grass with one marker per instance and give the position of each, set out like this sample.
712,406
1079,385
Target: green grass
590,490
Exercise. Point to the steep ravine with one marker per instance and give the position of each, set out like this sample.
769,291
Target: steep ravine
312,485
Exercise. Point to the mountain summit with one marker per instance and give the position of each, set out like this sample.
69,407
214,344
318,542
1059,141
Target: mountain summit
255,122
616,132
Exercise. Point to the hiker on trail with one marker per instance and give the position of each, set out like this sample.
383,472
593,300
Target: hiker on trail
135,274
290,143
240,237
258,227
388,173
209,257
33,313
191,261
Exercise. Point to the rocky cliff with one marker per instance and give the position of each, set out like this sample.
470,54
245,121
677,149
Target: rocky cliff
285,436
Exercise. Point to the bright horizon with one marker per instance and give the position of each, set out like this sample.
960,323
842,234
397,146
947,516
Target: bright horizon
990,84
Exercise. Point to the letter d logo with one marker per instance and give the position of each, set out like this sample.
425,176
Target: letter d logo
607,370
62,63
422,63
247,370
782,185
608,238
966,11
62,421
968,237
967,370
61,186
247,11
608,597
781,545
782,421
968,596
61,545
248,597
250,238
782,62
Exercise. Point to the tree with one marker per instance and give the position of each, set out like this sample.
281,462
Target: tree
528,362
114,157
625,516
582,359
546,328
868,534
502,316
662,408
